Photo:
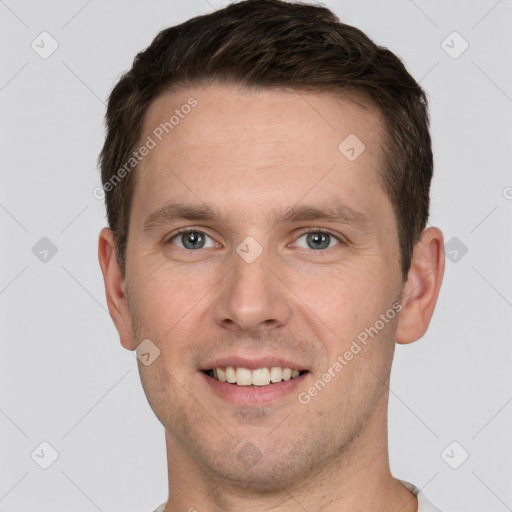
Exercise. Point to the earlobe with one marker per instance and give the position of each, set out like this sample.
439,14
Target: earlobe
115,288
422,287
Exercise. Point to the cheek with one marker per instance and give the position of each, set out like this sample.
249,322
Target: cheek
348,299
165,298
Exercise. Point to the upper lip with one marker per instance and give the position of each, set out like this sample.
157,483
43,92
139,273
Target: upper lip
253,363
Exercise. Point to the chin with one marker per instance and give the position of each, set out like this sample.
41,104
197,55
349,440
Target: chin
270,470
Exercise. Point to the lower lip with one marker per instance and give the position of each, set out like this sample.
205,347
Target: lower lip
253,395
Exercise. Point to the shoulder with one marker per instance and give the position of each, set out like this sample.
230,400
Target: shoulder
423,504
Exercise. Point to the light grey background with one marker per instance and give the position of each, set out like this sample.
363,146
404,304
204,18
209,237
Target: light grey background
64,377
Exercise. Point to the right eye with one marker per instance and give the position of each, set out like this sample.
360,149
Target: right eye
191,239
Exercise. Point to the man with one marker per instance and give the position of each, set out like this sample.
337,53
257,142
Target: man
267,172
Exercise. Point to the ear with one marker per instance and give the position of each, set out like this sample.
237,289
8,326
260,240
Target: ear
115,288
422,286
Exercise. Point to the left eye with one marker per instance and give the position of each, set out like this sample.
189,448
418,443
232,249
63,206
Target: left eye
317,240
192,239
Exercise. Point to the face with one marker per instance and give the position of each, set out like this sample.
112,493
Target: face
290,253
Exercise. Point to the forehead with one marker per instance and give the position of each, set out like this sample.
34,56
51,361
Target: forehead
254,144
225,113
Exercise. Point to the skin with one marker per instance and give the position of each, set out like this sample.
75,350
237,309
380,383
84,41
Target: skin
248,153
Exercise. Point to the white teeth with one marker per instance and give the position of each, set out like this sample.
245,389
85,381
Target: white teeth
221,374
243,377
230,375
276,374
261,377
258,377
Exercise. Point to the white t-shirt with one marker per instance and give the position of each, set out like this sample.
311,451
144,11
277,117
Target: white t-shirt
423,504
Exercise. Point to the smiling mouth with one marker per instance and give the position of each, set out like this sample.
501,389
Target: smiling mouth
258,377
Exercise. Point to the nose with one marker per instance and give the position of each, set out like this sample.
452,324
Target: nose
252,297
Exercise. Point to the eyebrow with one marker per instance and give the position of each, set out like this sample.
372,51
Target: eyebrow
333,211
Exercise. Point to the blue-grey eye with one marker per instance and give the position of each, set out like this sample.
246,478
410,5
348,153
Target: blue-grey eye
317,240
192,240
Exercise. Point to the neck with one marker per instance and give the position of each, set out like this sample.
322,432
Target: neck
358,478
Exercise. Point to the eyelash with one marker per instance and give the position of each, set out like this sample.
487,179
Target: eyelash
305,232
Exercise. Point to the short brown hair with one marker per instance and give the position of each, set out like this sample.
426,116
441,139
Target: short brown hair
276,44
